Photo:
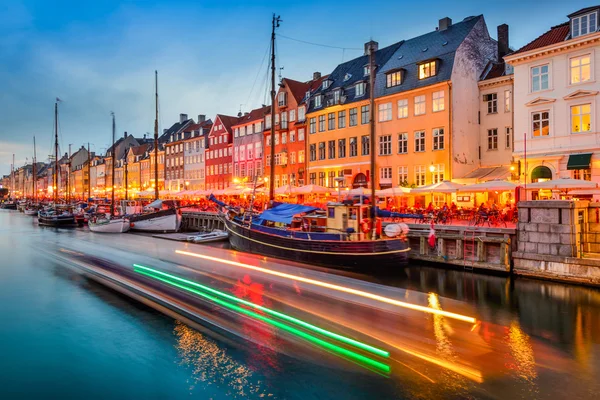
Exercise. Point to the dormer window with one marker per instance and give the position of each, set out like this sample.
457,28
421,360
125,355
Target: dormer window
347,76
584,24
367,70
307,94
318,101
360,89
326,84
428,69
393,78
336,96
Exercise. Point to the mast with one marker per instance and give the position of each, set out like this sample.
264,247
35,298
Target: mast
68,195
88,172
156,136
112,180
12,177
54,172
275,24
34,173
372,136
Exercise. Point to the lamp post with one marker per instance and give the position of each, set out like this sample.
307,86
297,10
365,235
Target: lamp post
126,184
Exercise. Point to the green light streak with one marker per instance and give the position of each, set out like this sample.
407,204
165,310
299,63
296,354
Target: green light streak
324,332
378,366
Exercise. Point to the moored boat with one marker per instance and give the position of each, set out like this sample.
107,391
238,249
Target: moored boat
9,205
109,225
168,220
57,220
214,236
31,211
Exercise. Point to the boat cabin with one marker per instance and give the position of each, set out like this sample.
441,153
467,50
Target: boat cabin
342,217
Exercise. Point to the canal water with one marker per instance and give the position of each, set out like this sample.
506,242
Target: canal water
64,336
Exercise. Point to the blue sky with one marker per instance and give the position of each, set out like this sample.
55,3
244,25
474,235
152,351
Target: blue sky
100,56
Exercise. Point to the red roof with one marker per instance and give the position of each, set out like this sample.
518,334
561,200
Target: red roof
140,150
254,115
227,121
555,35
297,89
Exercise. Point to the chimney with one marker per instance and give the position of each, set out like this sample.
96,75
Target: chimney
503,48
125,135
316,75
445,23
201,118
371,43
182,117
144,136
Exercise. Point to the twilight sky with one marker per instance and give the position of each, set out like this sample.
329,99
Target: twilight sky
100,56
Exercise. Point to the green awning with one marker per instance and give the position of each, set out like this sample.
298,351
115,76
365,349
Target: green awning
579,161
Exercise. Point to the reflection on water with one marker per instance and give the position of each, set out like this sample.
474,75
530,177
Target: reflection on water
212,366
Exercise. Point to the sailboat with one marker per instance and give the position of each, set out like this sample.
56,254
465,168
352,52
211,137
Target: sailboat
102,223
162,220
32,209
53,217
343,237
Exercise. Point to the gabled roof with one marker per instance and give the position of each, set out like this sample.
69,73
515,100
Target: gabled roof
440,45
496,70
175,128
227,121
140,150
254,115
296,88
556,34
583,11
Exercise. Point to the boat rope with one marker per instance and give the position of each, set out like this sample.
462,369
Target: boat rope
317,251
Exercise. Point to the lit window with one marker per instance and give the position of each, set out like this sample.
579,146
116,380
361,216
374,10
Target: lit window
394,79
438,101
420,105
385,112
438,173
581,120
580,69
541,123
539,78
403,108
420,172
584,24
427,69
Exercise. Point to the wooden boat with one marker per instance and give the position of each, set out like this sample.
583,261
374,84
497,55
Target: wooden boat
214,236
168,220
109,225
9,205
57,220
31,211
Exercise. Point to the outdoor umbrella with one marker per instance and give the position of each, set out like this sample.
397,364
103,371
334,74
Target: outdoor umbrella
496,185
312,189
393,192
562,183
440,187
287,189
360,191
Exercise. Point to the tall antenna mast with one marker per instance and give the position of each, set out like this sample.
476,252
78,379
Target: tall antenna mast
55,171
88,173
156,136
275,24
34,173
114,159
372,136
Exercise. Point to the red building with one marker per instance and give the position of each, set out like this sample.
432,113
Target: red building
219,153
290,132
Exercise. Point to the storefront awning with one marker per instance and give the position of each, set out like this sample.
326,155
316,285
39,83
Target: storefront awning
579,161
489,173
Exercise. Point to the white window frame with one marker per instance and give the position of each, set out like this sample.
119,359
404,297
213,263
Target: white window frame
385,145
420,175
403,143
419,141
580,67
576,23
360,89
580,115
385,174
420,105
318,100
402,174
385,112
439,142
531,122
402,108
438,101
507,100
493,135
540,74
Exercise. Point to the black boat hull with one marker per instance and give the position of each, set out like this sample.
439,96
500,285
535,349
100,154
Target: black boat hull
10,206
385,254
57,221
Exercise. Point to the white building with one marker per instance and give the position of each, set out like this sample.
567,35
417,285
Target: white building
555,99
194,161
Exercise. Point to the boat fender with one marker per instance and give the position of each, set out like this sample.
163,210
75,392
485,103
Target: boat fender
131,225
365,226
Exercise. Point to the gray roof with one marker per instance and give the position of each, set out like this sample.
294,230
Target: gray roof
440,45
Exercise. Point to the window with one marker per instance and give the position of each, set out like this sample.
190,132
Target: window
493,139
385,145
365,149
539,78
353,117
341,119
385,173
419,141
420,105
313,152
292,136
507,100
366,70
282,97
364,115
318,101
292,115
301,114
331,179
331,121
585,174
385,112
427,69
541,123
283,138
312,177
331,149
268,160
438,101
322,123
325,84
508,136
360,89
276,139
301,157
402,143
393,79
403,108
353,146
341,148
420,175
584,24
301,134
403,176
438,173
312,125
581,118
293,157
322,178
321,150
438,139
250,152
580,69
492,102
